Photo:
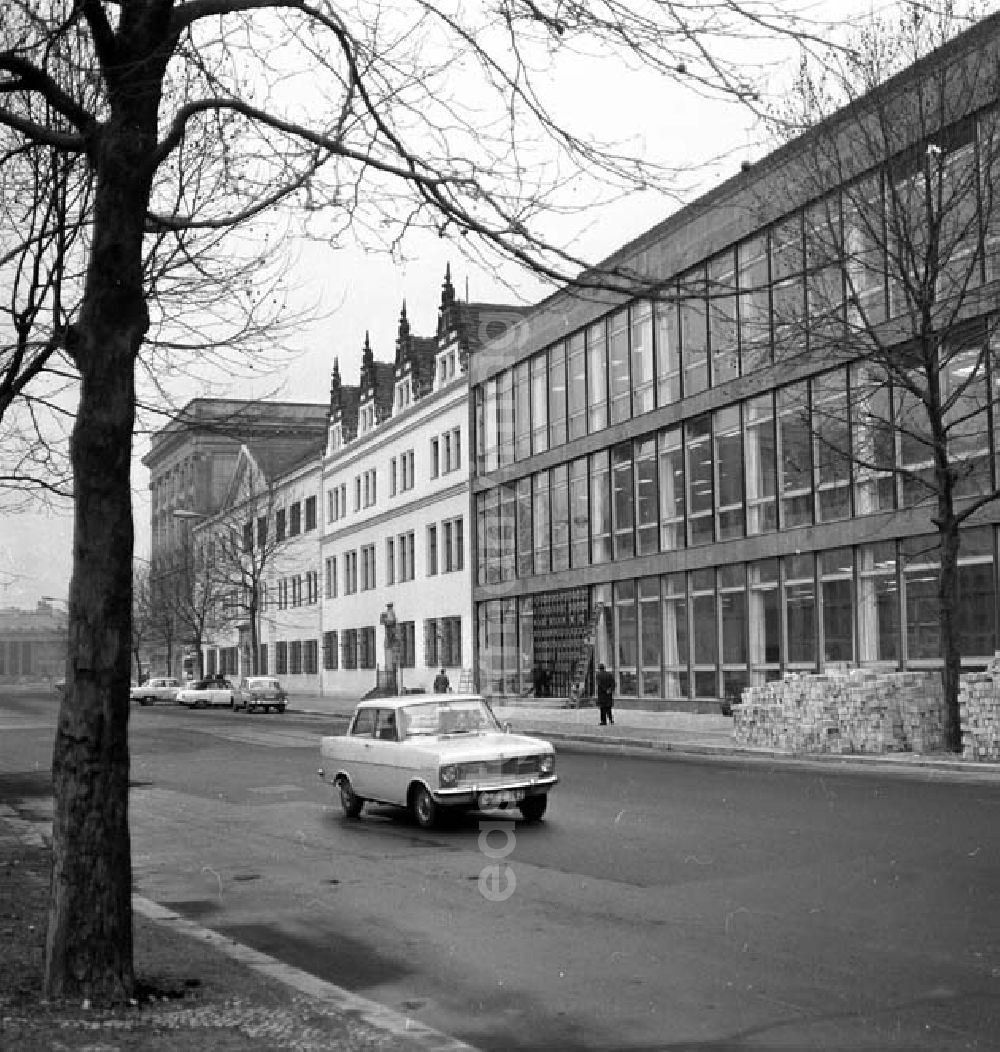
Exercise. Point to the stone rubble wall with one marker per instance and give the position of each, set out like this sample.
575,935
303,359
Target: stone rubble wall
855,711
979,706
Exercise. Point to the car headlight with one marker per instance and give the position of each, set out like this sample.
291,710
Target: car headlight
448,775
547,763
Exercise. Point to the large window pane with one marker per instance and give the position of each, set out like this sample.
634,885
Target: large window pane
557,395
626,637
539,404
597,377
733,614
600,508
525,536
522,410
755,304
643,380
966,418
508,531
698,445
800,611
624,501
788,290
675,636
579,515
505,411
728,473
921,567
795,456
836,574
705,633
559,498
761,466
878,604
647,526
976,615
873,439
694,332
864,253
490,447
651,683
764,621
576,383
723,334
619,377
832,434
671,479
540,504
668,358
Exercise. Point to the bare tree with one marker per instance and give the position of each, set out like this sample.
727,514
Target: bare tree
142,619
885,278
353,114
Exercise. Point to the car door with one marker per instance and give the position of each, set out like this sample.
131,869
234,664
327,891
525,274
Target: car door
355,751
385,750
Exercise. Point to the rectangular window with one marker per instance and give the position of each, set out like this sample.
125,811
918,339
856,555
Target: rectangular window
262,659
788,289
310,652
626,638
368,568
432,550
405,555
600,507
728,439
650,638
508,529
366,647
542,521
430,642
643,379
349,648
619,373
331,504
262,531
671,488
832,434
330,654
761,466
295,520
623,501
694,331
407,644
310,513
559,506
723,335
576,387
524,539
393,477
676,663
357,493
557,395
505,407
795,456
280,659
390,560
800,611
647,524
836,582
279,525
698,445
454,545
331,577
350,573
435,459
579,513
878,604
668,350
247,537
764,622
597,377
755,304
539,404
705,634
522,410
296,590
312,587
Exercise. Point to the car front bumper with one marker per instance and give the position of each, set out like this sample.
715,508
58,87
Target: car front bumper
468,795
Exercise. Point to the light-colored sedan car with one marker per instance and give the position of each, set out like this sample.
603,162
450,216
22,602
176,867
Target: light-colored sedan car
429,752
260,692
159,688
207,692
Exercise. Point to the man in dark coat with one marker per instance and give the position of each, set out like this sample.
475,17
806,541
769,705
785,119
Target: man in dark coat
605,684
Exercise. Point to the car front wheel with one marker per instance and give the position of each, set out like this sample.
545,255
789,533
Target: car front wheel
349,800
424,808
533,807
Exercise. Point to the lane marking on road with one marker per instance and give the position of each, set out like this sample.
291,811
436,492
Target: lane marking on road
416,1034
275,789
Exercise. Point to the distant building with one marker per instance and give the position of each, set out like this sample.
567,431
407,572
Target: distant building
32,644
191,464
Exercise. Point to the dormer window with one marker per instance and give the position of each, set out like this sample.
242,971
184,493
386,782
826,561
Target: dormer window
366,418
404,394
336,439
446,363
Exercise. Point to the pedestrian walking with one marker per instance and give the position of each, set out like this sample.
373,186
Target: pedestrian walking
441,683
605,694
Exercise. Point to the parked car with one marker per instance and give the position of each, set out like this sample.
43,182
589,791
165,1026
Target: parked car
213,690
157,689
429,752
260,692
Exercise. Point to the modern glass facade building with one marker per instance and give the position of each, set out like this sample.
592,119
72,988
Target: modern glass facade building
740,511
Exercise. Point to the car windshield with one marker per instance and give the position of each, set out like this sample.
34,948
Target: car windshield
262,684
466,716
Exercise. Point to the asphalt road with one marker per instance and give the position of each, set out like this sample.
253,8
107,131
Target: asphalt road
663,903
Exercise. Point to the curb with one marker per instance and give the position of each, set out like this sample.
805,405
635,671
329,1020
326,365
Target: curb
417,1035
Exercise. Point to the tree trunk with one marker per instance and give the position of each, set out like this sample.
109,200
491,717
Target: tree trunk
950,652
88,952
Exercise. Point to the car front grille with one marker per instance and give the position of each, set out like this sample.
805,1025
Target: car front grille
498,771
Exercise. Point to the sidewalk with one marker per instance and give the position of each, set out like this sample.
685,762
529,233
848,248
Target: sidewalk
643,732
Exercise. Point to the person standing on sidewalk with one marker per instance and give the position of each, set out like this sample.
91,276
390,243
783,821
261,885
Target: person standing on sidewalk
605,694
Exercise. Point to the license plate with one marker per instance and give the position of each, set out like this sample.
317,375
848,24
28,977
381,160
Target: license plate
501,796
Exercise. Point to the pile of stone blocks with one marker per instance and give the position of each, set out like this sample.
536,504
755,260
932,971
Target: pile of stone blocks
979,705
851,711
